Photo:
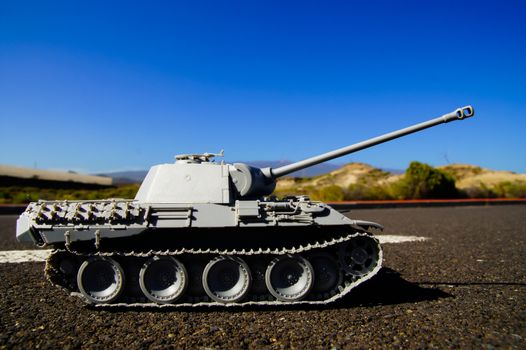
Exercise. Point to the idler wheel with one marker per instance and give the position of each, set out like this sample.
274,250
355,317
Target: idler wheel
359,256
163,279
289,278
226,279
100,279
327,273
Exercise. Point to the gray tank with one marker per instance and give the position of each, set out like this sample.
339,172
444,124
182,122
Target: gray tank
202,233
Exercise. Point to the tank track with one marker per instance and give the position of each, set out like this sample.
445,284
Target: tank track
335,249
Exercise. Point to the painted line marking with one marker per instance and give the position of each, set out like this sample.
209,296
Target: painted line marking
21,256
385,239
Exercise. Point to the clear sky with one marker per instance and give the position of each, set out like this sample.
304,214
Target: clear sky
100,86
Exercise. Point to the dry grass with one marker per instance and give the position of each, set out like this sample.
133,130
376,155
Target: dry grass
468,176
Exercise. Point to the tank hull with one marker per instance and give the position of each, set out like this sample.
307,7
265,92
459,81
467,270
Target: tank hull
55,223
267,239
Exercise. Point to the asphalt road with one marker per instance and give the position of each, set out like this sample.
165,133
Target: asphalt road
463,288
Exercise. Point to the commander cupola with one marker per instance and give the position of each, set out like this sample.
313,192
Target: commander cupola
197,158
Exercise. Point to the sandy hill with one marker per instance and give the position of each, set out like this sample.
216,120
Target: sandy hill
346,175
474,176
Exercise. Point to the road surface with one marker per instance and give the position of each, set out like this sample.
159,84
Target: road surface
464,287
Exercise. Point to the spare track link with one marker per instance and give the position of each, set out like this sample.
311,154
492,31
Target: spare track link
65,277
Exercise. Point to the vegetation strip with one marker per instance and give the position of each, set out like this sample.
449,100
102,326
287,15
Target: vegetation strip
411,203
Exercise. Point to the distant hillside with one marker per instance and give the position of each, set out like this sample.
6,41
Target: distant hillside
18,176
363,181
475,181
126,177
467,175
343,177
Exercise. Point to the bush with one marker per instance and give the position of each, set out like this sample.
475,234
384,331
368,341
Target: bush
422,181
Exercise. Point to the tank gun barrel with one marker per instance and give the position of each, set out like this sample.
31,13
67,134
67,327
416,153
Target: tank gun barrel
458,114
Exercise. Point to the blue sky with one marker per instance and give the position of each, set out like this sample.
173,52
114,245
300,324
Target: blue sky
100,86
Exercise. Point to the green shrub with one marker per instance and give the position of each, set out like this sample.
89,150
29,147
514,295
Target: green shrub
422,181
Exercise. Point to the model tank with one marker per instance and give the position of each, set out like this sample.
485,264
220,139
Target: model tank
205,233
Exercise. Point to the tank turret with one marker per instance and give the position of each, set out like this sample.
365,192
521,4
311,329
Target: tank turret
201,233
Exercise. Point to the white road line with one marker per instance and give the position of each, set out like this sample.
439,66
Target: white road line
20,256
399,239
